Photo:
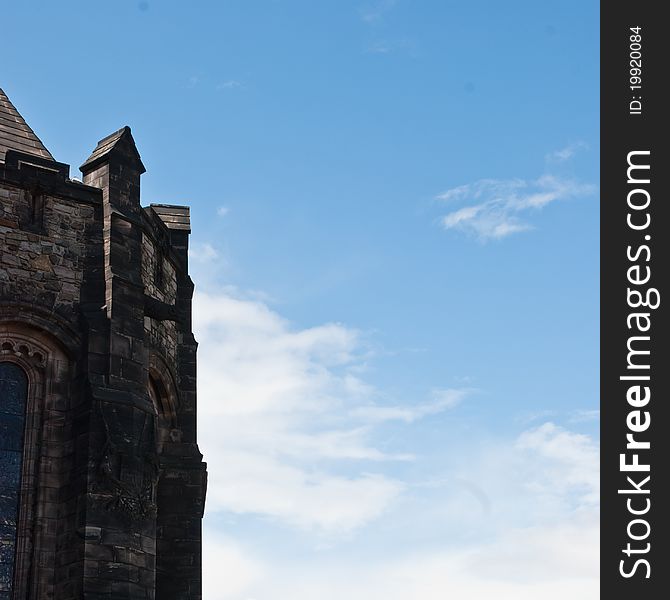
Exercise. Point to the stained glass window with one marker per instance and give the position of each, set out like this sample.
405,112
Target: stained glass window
13,393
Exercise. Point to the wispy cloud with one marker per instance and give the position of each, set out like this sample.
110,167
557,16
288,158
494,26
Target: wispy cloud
375,11
551,562
539,536
230,84
570,466
275,406
380,48
203,253
296,437
566,153
222,211
386,46
224,554
582,416
442,400
494,209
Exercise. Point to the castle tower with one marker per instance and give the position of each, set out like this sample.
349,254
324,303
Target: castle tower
102,485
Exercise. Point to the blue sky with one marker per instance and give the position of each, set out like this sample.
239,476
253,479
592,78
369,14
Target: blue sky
395,246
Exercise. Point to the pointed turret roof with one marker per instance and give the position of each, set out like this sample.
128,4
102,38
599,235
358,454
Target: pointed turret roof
121,143
15,134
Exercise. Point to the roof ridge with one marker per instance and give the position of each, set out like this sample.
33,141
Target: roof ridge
111,143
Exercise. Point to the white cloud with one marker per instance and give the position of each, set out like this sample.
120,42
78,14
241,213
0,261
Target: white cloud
203,253
565,154
222,211
549,563
375,11
380,48
274,406
548,475
227,567
288,428
230,84
571,465
442,400
482,189
253,482
530,553
580,416
494,208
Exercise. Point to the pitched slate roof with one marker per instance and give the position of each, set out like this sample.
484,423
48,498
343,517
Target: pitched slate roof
15,134
120,141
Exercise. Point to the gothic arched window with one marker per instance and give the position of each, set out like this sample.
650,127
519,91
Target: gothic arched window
13,397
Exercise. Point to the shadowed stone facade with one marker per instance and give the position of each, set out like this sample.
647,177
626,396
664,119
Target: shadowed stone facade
102,485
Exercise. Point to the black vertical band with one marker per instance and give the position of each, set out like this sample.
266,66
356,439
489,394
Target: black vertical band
635,260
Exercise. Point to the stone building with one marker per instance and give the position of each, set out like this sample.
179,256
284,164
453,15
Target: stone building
102,485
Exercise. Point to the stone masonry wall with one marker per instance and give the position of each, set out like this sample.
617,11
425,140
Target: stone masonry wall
94,297
45,262
160,282
50,267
